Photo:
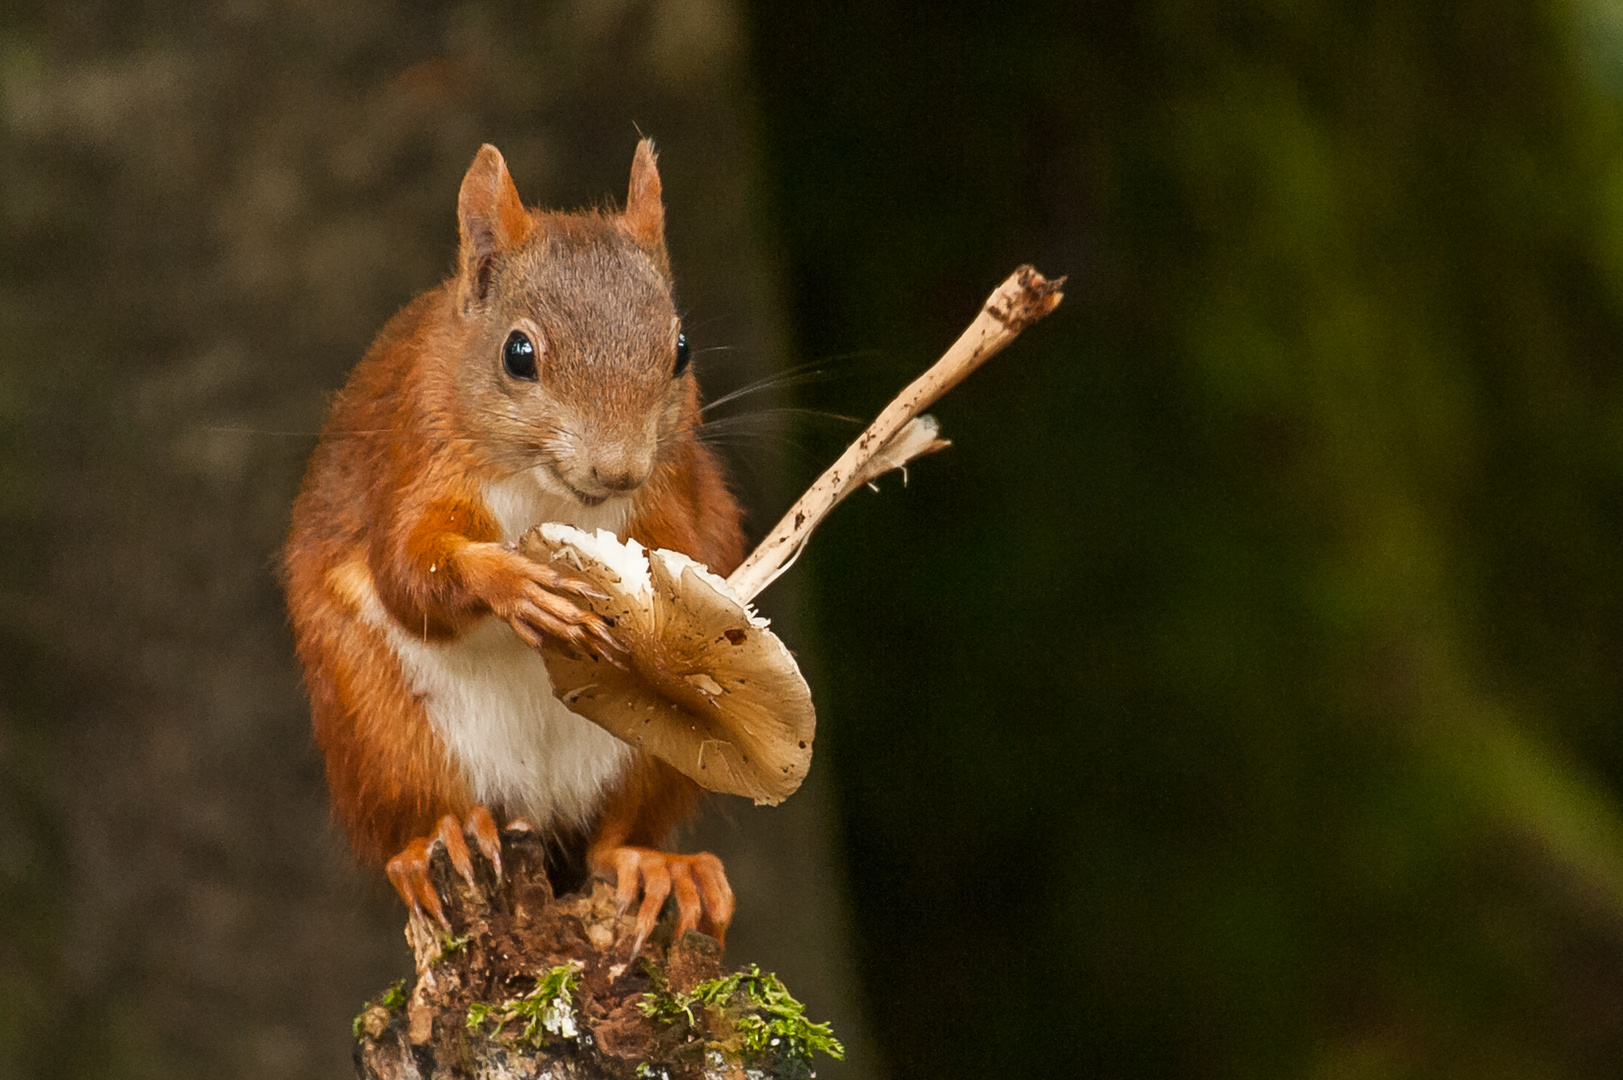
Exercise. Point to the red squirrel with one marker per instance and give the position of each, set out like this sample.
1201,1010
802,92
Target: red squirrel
548,380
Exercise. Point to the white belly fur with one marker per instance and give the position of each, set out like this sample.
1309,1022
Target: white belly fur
490,699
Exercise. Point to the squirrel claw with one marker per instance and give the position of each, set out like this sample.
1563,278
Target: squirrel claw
567,583
450,836
409,870
704,900
482,826
605,646
582,588
546,613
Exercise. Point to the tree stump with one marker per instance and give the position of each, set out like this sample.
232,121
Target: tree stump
527,984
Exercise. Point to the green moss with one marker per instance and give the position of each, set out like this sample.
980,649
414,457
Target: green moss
773,1021
391,999
660,1003
549,1009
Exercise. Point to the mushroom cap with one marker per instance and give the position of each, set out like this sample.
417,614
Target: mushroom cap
710,689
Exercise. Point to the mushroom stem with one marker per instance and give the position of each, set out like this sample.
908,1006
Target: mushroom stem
1017,303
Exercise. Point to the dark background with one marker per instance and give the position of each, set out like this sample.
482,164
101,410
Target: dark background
1240,695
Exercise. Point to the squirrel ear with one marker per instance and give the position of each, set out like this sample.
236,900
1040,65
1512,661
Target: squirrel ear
492,217
645,212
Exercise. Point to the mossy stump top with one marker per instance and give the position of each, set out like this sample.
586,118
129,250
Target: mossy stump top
528,984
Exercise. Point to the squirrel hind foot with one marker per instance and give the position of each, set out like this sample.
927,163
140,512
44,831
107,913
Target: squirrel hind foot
409,870
704,899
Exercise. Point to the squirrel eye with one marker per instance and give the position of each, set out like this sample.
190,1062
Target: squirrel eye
682,356
518,356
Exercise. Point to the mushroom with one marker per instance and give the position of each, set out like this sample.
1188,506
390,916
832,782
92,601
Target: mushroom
708,688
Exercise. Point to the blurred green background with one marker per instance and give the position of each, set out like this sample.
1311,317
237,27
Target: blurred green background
1239,696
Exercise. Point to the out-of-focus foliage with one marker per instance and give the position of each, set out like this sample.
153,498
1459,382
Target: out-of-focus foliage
1244,687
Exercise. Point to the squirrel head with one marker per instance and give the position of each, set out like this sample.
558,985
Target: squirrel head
570,355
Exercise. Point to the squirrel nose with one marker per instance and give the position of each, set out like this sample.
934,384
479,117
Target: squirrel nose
620,479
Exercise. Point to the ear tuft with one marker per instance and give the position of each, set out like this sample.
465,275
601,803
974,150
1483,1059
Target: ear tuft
645,208
492,220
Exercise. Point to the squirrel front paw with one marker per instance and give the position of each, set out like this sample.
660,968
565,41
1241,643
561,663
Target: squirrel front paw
540,601
544,608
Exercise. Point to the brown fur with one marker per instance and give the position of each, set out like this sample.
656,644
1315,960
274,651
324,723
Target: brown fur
393,495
